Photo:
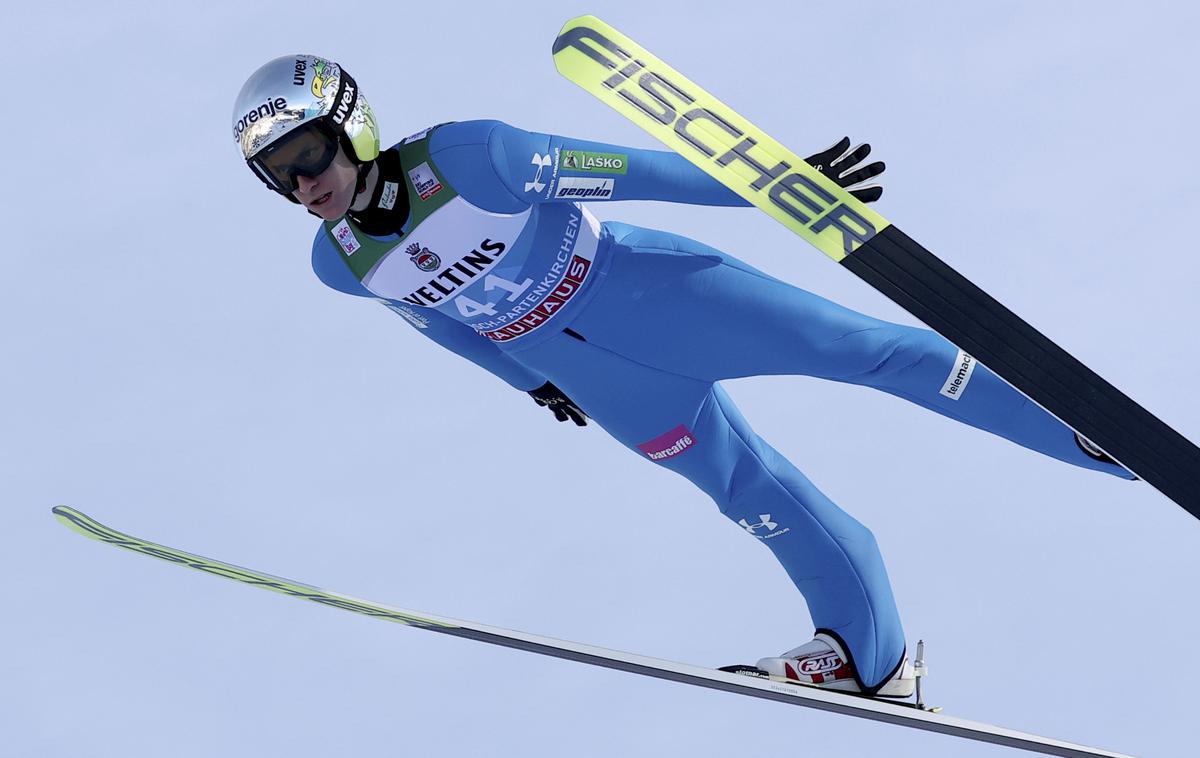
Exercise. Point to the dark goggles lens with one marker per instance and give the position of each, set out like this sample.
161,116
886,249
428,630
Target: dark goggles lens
305,151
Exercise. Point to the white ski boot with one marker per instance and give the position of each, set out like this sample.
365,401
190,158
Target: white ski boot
822,663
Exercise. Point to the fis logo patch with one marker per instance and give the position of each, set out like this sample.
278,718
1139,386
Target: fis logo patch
424,181
345,237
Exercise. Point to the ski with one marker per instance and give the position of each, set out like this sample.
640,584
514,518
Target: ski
767,689
741,156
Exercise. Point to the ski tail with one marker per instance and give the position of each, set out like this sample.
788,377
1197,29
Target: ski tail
92,529
696,676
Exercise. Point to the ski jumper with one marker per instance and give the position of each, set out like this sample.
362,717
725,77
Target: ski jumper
499,262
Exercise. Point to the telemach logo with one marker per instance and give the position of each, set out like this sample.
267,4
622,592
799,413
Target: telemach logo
960,375
670,108
269,108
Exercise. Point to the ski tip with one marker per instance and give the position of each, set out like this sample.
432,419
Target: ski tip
78,521
571,35
66,513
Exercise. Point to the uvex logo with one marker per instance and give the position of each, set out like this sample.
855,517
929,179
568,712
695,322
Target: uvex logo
343,107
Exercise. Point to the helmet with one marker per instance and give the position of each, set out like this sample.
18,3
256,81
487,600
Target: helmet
294,112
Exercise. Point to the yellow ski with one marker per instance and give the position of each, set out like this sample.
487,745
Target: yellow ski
710,134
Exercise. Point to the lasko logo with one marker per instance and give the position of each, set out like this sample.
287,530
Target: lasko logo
672,114
764,522
423,258
267,109
668,445
345,237
960,374
608,163
542,162
584,188
424,181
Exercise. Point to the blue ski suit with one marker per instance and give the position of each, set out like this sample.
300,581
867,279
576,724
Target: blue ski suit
501,263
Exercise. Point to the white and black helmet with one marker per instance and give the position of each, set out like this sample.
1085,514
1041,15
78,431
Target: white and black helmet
294,112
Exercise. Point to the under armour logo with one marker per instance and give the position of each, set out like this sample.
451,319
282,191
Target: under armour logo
765,520
541,161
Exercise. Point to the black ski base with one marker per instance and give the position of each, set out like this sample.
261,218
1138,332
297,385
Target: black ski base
951,305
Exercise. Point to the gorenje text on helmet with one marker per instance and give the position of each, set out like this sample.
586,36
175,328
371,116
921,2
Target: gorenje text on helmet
269,108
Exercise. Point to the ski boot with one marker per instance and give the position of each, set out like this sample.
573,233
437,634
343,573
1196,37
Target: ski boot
822,663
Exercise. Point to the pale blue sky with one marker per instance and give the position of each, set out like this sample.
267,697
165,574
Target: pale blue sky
174,369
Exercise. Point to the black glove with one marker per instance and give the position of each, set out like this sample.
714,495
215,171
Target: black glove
564,408
839,163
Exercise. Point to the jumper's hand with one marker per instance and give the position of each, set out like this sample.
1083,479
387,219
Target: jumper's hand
840,163
549,396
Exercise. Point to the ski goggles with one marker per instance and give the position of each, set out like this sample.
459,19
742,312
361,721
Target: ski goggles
305,151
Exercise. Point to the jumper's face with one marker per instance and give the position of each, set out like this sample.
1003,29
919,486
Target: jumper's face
330,193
